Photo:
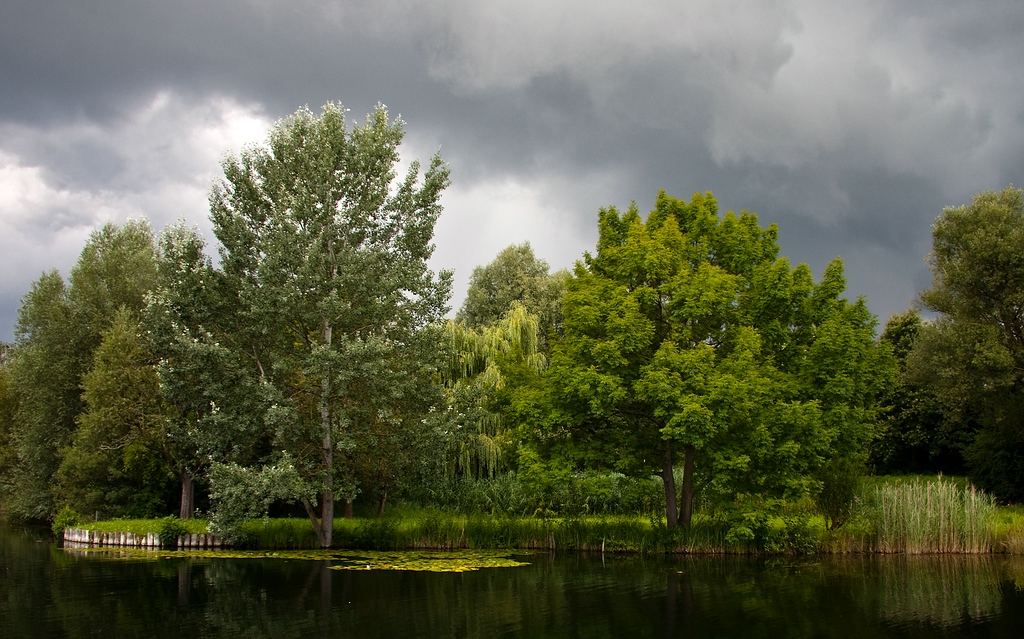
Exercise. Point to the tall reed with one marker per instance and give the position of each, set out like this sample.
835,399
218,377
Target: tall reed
931,516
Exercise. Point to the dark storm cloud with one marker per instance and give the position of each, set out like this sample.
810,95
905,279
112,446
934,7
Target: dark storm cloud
849,124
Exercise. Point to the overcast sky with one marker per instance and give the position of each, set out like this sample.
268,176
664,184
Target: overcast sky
849,124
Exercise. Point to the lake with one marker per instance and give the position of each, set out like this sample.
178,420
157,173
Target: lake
46,591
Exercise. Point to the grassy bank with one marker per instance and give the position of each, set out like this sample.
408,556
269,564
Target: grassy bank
915,516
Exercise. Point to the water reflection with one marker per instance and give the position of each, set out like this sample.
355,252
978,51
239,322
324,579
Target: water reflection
46,592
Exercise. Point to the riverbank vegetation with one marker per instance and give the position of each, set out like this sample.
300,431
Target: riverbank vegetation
912,515
683,388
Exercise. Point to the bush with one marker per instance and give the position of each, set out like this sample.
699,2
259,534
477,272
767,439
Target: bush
840,485
66,518
170,529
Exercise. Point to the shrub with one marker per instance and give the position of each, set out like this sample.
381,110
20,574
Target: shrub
170,529
66,518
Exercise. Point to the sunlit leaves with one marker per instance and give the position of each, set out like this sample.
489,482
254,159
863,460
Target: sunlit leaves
689,330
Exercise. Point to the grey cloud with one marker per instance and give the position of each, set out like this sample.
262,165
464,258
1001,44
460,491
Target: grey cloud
850,125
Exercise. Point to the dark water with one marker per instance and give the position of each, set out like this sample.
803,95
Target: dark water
48,592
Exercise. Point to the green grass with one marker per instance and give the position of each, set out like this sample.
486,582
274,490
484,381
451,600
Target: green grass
142,526
441,530
1008,530
431,529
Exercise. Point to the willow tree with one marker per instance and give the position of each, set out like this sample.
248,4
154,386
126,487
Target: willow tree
327,251
473,425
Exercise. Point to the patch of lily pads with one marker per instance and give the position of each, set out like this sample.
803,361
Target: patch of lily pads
410,560
456,561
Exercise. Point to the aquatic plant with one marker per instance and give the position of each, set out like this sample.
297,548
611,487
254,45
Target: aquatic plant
931,515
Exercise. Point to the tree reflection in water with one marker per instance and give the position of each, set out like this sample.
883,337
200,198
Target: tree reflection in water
46,592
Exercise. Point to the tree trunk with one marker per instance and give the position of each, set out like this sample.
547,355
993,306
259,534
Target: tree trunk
317,528
327,520
383,500
327,499
188,493
687,505
668,477
348,509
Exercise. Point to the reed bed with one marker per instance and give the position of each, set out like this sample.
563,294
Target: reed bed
931,516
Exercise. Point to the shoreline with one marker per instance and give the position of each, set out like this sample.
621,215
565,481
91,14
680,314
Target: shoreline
452,532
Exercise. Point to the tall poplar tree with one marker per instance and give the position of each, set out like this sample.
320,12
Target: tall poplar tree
327,252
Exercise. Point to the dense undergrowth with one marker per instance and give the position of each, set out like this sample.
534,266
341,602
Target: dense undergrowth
896,515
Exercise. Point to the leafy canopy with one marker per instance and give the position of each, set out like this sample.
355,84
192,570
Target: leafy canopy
687,332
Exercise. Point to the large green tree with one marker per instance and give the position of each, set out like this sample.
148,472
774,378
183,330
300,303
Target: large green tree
688,336
59,327
114,464
972,355
328,253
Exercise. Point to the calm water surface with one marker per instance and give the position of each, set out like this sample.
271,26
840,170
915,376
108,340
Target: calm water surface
48,592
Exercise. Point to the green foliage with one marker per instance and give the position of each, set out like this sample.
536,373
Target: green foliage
114,465
563,494
917,431
59,327
840,485
479,361
769,525
279,533
169,530
46,365
238,494
972,356
515,276
8,412
687,333
66,518
374,534
327,254
213,397
996,456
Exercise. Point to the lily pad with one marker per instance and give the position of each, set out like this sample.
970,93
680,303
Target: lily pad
458,561
451,561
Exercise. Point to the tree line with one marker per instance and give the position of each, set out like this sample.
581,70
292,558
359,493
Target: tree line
313,364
